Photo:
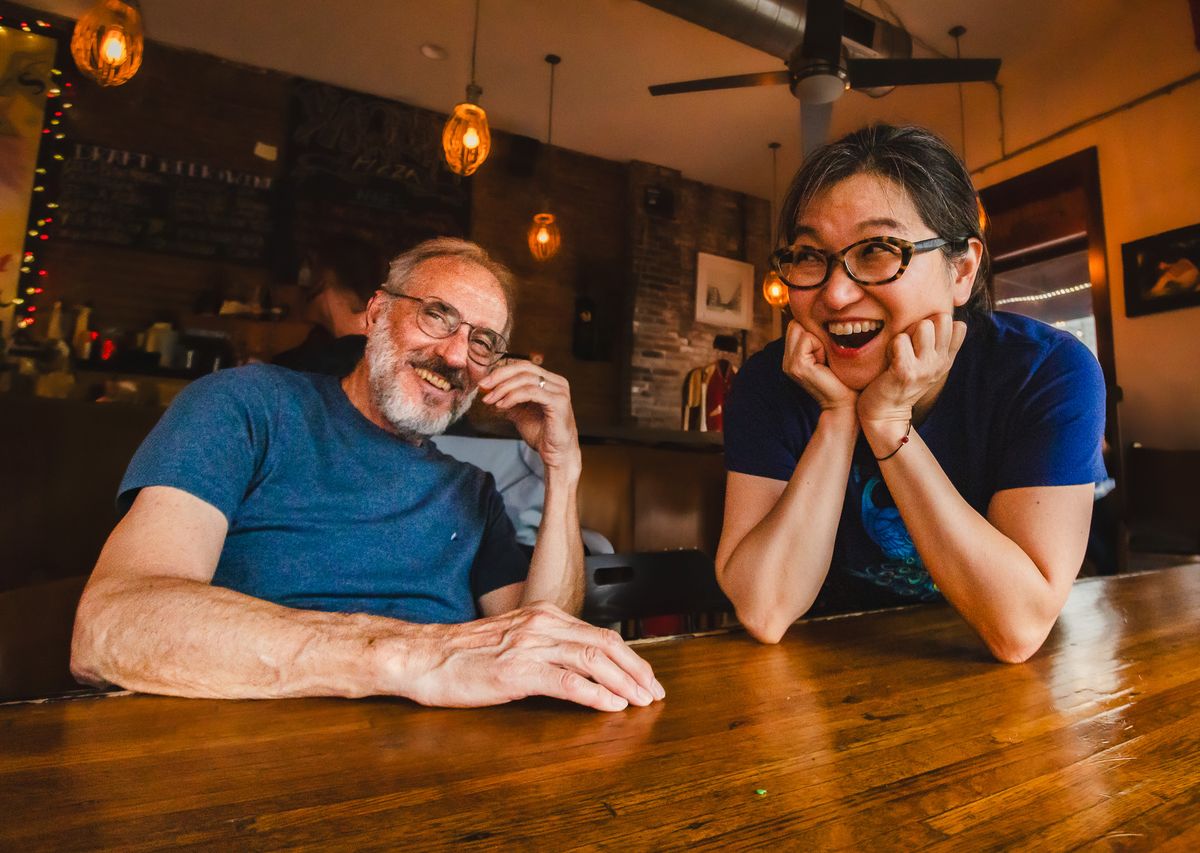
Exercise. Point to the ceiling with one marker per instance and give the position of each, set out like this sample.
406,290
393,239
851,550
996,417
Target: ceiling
1063,60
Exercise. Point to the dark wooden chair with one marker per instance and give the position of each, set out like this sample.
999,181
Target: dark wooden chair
1162,510
626,588
35,639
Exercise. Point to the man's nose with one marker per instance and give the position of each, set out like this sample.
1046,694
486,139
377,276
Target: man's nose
453,348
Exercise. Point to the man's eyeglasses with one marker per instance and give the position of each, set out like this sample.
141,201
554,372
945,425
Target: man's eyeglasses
439,320
875,260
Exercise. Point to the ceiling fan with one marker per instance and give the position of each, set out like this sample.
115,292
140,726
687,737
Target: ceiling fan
819,71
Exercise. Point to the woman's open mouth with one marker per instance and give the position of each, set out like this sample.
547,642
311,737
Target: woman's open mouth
855,334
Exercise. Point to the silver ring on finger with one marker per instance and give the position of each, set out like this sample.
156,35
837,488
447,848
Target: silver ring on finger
542,382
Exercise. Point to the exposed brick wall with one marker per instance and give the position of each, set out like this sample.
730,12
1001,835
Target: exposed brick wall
587,196
666,340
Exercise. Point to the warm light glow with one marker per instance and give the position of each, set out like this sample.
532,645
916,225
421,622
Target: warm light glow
774,290
107,41
113,47
544,237
466,139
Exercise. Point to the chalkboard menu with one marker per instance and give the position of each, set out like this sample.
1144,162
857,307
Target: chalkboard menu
180,207
370,167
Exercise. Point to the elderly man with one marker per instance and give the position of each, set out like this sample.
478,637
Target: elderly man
289,534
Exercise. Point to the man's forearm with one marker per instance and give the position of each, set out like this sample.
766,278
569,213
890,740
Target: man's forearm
556,571
186,638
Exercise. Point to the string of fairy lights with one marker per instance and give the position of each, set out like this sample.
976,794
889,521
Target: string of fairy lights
1041,297
43,204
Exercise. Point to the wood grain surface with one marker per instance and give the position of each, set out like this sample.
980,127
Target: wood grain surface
880,731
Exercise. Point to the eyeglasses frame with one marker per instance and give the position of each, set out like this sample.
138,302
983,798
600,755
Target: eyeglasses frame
907,248
425,300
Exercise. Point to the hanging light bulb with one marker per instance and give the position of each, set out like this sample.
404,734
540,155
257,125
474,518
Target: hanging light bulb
544,236
466,138
773,288
107,41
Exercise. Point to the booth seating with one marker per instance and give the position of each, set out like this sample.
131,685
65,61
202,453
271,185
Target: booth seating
1162,507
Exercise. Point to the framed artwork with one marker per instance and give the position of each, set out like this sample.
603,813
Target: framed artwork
1162,272
724,292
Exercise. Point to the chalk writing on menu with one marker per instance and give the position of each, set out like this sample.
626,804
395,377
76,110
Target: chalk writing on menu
369,166
160,204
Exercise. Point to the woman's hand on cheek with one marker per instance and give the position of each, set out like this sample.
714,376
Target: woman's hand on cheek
918,360
804,362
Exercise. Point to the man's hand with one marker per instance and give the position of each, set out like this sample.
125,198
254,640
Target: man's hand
805,363
535,651
918,360
539,404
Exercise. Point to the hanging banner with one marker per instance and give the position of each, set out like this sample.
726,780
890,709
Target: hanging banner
25,63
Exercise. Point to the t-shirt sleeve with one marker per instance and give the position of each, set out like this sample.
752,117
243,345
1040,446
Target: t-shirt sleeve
500,560
766,427
210,443
1057,429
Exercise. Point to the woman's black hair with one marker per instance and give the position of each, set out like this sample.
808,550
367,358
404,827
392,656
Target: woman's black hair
918,161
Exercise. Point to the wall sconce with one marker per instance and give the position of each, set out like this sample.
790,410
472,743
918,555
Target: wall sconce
108,40
466,138
544,236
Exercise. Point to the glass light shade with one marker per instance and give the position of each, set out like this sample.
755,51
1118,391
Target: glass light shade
774,290
466,139
544,236
107,42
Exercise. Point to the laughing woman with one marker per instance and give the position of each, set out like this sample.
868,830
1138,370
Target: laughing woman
902,443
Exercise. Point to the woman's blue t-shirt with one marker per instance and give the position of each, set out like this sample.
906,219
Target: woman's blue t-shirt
326,510
1023,406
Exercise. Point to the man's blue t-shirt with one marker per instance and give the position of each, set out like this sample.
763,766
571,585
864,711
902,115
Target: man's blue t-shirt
326,510
1023,406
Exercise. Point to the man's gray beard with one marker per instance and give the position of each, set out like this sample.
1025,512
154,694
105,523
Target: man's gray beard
410,418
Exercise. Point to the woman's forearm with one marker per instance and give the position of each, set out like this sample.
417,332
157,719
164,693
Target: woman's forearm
774,573
996,586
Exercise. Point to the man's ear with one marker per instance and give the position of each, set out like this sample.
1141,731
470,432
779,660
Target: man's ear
965,269
375,306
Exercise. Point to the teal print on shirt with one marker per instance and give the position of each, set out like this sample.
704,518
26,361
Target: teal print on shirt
902,572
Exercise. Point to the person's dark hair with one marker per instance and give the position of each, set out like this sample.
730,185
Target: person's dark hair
918,161
358,267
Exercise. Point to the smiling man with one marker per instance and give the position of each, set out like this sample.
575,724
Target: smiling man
290,534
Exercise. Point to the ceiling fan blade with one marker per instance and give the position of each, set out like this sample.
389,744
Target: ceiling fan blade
870,73
737,81
814,126
823,30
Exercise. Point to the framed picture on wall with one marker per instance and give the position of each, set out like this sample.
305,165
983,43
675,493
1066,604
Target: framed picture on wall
724,292
1162,272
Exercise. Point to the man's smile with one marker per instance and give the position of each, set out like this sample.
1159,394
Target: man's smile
434,379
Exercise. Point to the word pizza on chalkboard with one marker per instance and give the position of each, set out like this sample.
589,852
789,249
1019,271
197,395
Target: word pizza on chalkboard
180,207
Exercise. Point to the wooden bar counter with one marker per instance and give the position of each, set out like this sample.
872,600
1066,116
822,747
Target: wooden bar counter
877,731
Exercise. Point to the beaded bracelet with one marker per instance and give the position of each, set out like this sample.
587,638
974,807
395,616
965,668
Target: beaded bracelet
903,441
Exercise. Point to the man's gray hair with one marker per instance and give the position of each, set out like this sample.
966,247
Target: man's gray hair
401,270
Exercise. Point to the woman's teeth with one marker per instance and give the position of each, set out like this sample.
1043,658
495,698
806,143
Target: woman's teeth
855,328
854,334
432,378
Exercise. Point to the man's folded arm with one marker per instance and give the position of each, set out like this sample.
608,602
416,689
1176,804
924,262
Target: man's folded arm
150,620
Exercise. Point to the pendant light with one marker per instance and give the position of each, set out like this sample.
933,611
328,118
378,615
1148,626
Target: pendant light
773,288
544,236
466,139
107,41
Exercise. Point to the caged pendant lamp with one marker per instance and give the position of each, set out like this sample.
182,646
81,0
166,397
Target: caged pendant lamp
466,139
773,289
544,236
107,41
